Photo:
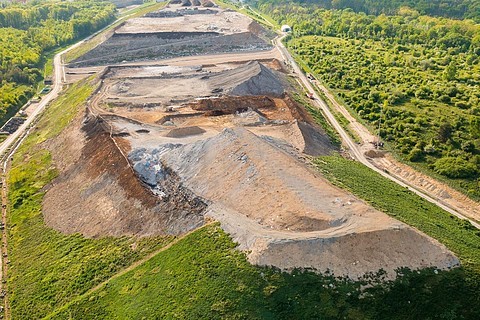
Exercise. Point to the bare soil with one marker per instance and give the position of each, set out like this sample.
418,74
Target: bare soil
98,193
286,215
158,38
172,142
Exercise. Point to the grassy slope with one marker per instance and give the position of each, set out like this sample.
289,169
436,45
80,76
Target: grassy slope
200,277
458,235
203,277
49,268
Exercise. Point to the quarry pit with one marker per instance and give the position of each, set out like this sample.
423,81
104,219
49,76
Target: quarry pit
196,119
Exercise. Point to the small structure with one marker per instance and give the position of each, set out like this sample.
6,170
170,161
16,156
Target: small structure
286,28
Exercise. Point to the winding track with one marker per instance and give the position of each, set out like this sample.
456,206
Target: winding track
355,150
11,144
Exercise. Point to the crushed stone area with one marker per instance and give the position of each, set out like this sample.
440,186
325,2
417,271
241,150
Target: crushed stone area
166,144
176,87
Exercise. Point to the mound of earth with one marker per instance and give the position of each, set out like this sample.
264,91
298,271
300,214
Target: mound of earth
250,79
284,214
248,83
98,193
207,3
185,132
232,105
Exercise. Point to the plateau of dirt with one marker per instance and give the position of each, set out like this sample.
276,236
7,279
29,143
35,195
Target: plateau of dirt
286,215
164,146
178,34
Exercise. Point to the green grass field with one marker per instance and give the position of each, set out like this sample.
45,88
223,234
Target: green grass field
204,277
458,235
48,268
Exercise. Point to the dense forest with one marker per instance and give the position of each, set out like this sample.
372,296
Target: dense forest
29,31
417,78
457,9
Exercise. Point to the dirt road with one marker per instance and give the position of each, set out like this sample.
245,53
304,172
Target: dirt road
11,144
356,150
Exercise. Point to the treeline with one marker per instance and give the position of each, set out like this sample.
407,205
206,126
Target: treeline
457,9
28,31
417,78
406,28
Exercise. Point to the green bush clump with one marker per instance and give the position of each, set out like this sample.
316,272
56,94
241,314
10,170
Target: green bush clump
456,168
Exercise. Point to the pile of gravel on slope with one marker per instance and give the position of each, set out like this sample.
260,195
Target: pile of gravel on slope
250,79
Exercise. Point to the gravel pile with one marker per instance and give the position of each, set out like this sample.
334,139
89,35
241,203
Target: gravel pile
251,79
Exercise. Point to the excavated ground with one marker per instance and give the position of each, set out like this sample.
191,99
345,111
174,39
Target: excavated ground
157,38
164,147
286,215
98,193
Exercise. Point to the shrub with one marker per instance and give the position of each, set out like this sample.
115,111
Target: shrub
415,155
455,168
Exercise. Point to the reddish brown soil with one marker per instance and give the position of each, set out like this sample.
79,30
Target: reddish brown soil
97,193
231,105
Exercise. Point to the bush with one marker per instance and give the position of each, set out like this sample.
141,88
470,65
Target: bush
415,155
444,99
456,168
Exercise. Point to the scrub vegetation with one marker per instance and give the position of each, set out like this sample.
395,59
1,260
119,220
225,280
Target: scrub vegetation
30,32
412,79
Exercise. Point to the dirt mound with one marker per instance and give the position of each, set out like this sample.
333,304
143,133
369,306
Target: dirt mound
232,105
98,194
185,132
375,153
207,3
251,79
317,142
258,30
287,216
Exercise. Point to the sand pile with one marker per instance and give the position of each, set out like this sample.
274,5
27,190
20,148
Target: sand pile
284,214
185,132
250,79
